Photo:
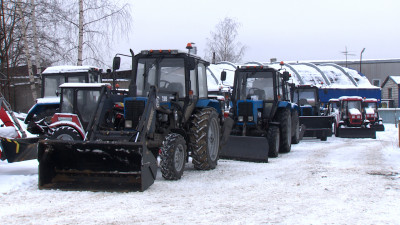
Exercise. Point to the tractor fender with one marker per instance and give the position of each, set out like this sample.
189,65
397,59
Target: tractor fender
69,124
284,104
203,103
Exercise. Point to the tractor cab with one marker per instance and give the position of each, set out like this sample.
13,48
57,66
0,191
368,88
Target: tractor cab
333,107
306,97
370,108
351,110
256,94
79,102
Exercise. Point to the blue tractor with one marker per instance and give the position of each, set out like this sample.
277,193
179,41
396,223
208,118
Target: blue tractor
166,114
312,119
266,123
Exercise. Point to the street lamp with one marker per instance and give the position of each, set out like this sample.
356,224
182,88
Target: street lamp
361,57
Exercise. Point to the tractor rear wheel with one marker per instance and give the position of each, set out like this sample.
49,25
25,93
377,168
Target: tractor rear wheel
204,139
273,141
286,130
173,156
66,133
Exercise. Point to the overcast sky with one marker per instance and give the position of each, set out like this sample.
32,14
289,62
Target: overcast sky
282,29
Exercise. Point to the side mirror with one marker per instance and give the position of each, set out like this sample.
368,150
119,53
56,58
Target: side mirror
116,63
223,75
286,76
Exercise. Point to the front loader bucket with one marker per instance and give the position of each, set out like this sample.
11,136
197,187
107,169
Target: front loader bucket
95,166
356,132
19,149
317,126
246,148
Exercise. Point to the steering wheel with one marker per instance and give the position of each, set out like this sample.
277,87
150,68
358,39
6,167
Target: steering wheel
252,90
164,83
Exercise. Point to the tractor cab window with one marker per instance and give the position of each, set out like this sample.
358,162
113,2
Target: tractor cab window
51,85
94,77
353,105
203,90
86,103
371,105
67,100
305,97
257,86
168,74
76,79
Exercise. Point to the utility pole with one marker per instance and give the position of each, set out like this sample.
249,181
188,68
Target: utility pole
361,57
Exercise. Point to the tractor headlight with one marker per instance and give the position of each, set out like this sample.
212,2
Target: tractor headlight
128,123
259,114
240,118
250,118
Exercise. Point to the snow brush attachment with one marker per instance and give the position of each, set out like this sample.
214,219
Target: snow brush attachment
95,166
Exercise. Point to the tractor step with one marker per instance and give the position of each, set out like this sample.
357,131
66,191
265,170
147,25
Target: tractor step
246,148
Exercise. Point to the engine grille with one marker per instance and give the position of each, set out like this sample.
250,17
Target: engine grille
134,110
307,111
245,109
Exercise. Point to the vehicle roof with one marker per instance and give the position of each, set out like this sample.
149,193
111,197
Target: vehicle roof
68,69
370,100
84,85
351,98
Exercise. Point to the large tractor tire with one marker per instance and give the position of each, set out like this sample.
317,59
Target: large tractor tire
273,137
173,156
66,133
295,127
286,130
204,139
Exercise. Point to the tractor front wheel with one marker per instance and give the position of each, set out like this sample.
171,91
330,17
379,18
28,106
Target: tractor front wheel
173,156
66,133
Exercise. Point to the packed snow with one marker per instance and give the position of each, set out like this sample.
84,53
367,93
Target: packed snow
340,181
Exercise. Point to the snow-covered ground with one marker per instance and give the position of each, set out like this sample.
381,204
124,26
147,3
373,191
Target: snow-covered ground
340,181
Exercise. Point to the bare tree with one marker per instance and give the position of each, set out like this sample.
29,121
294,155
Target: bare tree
26,49
223,42
89,27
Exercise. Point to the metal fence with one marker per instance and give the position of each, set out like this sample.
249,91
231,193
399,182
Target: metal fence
389,115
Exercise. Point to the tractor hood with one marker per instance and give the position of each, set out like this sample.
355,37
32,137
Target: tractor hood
354,112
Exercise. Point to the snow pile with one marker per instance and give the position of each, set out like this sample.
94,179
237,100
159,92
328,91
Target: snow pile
8,132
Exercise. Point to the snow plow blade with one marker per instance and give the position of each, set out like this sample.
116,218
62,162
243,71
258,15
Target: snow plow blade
20,149
246,148
357,132
95,166
317,126
378,127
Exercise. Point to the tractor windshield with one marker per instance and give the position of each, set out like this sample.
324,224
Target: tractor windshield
354,105
168,74
51,84
305,97
371,105
86,103
67,100
256,86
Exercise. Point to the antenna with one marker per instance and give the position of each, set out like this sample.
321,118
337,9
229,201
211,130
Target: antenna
346,53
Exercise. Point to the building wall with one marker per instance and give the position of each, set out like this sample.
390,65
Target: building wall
395,92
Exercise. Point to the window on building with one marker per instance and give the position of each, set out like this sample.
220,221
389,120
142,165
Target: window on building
376,83
390,94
